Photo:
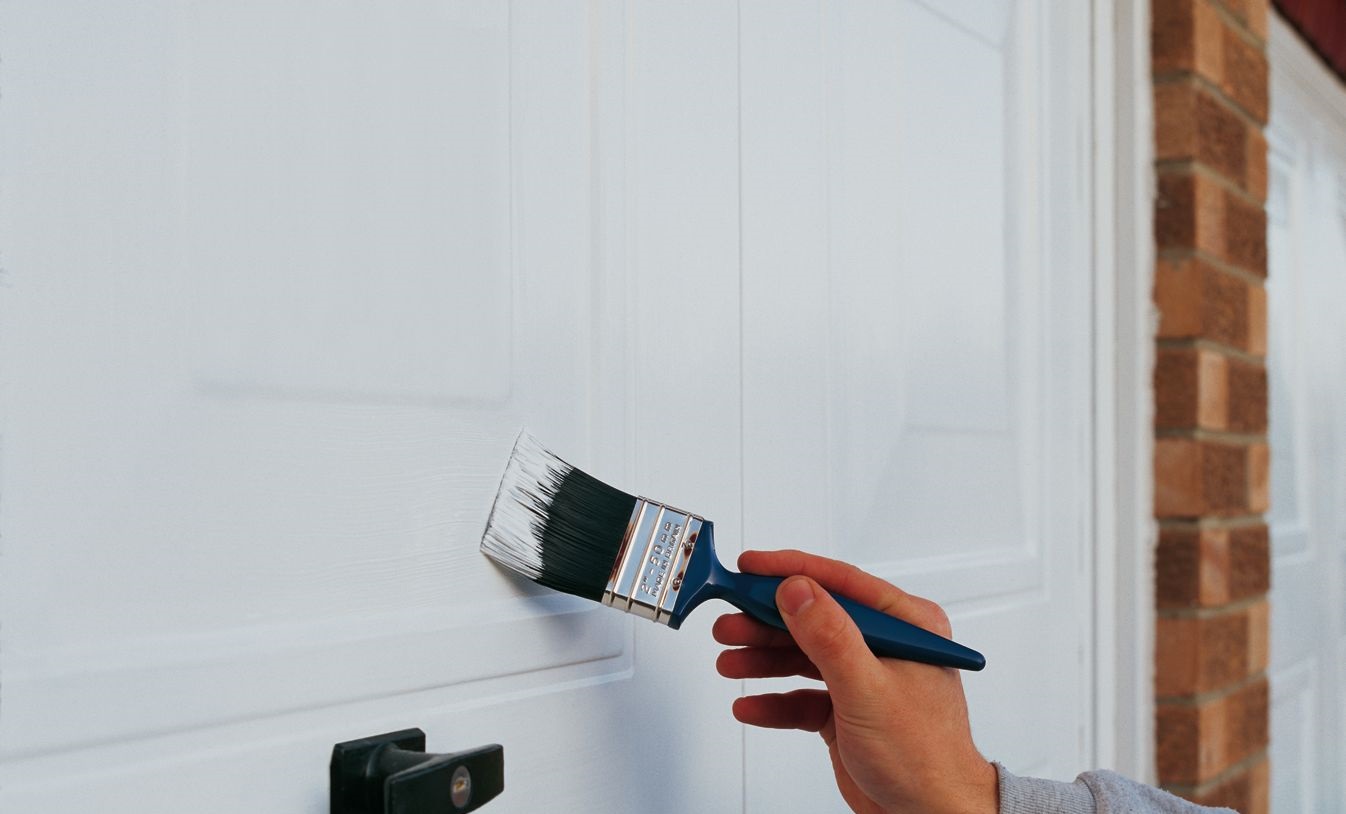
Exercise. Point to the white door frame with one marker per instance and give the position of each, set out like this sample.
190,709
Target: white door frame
1124,526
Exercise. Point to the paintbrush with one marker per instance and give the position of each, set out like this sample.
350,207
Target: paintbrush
569,531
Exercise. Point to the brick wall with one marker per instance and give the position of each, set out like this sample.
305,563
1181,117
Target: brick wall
1211,455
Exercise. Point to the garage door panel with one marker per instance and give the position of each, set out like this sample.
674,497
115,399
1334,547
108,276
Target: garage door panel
934,368
414,104
250,469
361,342
906,308
908,404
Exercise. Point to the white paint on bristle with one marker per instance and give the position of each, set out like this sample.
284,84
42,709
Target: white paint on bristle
513,531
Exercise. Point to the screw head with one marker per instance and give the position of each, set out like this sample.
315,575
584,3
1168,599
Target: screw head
460,786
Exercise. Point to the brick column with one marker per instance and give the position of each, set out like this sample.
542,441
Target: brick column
1211,455
1210,388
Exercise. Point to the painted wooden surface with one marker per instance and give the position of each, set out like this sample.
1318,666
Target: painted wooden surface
1306,294
917,396
283,280
280,281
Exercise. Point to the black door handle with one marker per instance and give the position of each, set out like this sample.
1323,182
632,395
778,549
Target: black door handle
393,774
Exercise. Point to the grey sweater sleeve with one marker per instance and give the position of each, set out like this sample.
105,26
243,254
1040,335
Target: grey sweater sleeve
1092,793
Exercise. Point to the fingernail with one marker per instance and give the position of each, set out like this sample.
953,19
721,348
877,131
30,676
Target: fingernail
794,595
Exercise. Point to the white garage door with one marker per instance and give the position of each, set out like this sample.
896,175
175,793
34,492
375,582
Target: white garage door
1306,297
281,279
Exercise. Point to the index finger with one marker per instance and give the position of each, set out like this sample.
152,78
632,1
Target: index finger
845,579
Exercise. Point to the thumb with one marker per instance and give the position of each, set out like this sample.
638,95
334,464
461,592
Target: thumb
830,639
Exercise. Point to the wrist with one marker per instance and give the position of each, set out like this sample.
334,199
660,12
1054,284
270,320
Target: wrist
986,799
976,790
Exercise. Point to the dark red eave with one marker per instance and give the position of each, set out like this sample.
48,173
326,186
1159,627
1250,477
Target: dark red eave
1323,24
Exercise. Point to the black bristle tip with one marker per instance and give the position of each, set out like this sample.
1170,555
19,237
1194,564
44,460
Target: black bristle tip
581,534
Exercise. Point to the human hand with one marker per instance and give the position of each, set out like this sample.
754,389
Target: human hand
897,731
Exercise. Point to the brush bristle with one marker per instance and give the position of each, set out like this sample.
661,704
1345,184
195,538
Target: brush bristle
555,524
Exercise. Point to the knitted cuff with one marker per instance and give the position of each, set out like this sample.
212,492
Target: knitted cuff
1030,795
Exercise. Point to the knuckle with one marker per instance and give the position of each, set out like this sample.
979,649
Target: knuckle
833,637
938,620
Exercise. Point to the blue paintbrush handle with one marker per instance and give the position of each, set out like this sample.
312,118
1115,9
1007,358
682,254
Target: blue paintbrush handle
886,635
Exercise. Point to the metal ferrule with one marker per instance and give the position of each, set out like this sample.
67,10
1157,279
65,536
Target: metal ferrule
648,572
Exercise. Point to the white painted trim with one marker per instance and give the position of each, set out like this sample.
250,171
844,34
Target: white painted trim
1123,725
1104,636
1287,52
